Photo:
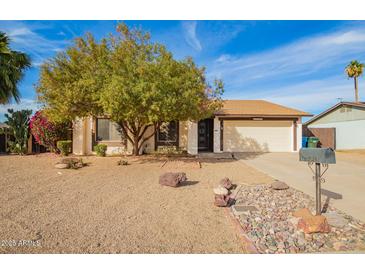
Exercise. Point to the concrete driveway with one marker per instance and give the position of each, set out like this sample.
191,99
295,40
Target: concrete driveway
345,181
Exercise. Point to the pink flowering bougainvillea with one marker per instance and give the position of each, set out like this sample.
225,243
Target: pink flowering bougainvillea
45,132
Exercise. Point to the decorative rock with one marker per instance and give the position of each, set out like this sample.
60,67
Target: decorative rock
61,166
338,246
274,212
279,185
172,179
302,213
220,191
294,221
226,183
221,200
242,209
71,162
314,224
335,219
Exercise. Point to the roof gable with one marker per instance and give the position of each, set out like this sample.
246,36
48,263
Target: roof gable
333,109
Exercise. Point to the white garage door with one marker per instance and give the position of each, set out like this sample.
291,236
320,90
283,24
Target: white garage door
257,136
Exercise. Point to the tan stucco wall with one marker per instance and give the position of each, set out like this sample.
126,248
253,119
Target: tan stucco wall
82,136
217,135
78,136
257,136
183,135
299,133
192,145
149,145
342,114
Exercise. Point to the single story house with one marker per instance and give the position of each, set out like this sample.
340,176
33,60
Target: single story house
239,126
348,121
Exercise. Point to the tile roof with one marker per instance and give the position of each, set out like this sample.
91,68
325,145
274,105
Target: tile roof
251,108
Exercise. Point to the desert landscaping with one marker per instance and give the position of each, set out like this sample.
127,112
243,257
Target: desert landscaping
110,208
117,205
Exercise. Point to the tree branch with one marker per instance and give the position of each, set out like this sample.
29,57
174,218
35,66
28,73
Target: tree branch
125,131
149,136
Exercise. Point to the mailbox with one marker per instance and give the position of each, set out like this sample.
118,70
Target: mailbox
317,155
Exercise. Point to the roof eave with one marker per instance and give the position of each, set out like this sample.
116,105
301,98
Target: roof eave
315,118
263,115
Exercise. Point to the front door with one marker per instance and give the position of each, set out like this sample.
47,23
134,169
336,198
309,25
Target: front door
205,135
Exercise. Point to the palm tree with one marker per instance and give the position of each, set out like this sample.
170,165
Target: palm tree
354,70
12,66
18,122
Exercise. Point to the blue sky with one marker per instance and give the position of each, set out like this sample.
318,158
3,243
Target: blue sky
295,63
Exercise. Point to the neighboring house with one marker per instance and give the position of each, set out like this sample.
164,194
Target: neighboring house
240,126
348,121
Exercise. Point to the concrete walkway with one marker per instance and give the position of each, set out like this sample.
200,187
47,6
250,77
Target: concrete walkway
345,181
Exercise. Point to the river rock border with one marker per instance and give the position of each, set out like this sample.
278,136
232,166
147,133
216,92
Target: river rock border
265,217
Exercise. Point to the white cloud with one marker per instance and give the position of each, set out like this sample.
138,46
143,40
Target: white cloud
190,34
27,38
313,96
305,57
24,104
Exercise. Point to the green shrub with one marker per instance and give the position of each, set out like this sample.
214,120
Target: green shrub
73,163
64,147
123,163
100,149
168,150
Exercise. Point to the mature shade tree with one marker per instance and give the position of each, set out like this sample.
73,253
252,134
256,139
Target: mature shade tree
12,66
354,70
135,81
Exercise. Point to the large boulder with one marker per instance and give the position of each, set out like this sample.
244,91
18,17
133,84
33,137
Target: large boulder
302,213
310,223
221,200
220,190
172,179
314,224
279,185
226,183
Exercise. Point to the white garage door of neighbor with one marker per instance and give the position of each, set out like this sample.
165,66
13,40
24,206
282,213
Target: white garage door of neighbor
257,136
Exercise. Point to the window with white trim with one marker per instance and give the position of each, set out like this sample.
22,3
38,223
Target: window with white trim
107,130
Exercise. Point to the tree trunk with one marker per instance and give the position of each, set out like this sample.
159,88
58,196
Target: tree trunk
356,91
135,146
136,135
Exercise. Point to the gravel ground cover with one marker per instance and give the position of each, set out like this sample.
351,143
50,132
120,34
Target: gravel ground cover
108,208
266,218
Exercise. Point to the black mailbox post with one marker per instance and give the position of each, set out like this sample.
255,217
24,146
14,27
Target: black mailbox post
318,156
